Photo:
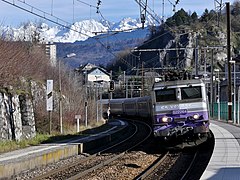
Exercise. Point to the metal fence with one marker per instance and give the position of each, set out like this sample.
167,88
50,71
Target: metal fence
223,111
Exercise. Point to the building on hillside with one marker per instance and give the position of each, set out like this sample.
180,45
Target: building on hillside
93,73
98,74
51,52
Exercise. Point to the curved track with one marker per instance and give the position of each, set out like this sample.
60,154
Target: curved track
139,132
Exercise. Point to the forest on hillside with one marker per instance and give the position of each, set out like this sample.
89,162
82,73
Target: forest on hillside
22,63
25,68
209,29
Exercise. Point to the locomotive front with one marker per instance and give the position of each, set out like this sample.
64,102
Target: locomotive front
180,108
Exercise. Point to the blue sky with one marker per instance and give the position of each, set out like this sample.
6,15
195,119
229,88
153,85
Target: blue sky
75,10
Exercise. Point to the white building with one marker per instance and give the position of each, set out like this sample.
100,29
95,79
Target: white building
98,74
51,52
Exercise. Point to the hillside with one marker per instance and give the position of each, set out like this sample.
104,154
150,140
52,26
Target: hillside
173,45
102,49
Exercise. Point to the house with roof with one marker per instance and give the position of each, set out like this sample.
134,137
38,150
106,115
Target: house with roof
93,73
98,74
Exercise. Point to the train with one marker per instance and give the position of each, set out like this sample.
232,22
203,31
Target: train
174,108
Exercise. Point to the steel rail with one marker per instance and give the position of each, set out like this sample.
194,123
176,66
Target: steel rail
55,171
61,169
81,174
184,176
153,167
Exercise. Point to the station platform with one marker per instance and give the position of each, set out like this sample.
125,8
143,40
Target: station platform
13,163
225,161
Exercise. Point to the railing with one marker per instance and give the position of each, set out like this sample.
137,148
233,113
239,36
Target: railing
223,111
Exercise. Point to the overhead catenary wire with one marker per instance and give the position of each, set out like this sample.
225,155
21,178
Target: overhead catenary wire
90,5
142,50
149,11
73,11
112,31
67,25
51,7
99,12
57,21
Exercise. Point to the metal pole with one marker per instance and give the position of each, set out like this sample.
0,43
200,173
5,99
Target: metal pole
60,97
234,90
234,93
78,127
131,85
86,111
196,56
211,85
219,110
86,102
238,105
50,121
229,64
97,101
218,93
162,11
111,93
142,80
126,88
205,64
124,78
101,103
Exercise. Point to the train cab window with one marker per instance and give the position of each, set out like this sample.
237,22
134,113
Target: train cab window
191,92
165,95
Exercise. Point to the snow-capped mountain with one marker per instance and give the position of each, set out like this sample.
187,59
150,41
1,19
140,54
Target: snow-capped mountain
79,31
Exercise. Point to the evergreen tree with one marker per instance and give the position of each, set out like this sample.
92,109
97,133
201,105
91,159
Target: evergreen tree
235,8
207,16
194,17
179,18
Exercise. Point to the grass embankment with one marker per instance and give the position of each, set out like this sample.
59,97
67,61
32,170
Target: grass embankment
6,146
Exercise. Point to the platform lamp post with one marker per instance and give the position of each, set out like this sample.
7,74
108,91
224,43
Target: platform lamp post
218,93
234,91
97,84
60,91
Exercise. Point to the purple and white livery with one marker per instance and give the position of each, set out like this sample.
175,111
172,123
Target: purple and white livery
180,107
175,108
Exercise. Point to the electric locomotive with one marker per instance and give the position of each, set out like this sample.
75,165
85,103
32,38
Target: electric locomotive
176,108
180,108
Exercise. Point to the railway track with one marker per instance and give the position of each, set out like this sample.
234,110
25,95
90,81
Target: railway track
153,167
184,164
90,163
134,157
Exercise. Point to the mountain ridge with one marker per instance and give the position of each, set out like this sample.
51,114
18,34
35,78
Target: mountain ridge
79,31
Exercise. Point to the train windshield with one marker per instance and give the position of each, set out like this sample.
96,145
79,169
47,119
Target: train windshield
191,92
165,95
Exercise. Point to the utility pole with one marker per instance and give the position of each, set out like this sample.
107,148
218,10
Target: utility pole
86,99
142,80
211,87
111,93
163,6
177,55
60,97
196,56
218,9
229,64
143,10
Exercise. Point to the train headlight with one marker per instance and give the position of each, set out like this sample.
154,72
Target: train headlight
166,119
196,116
